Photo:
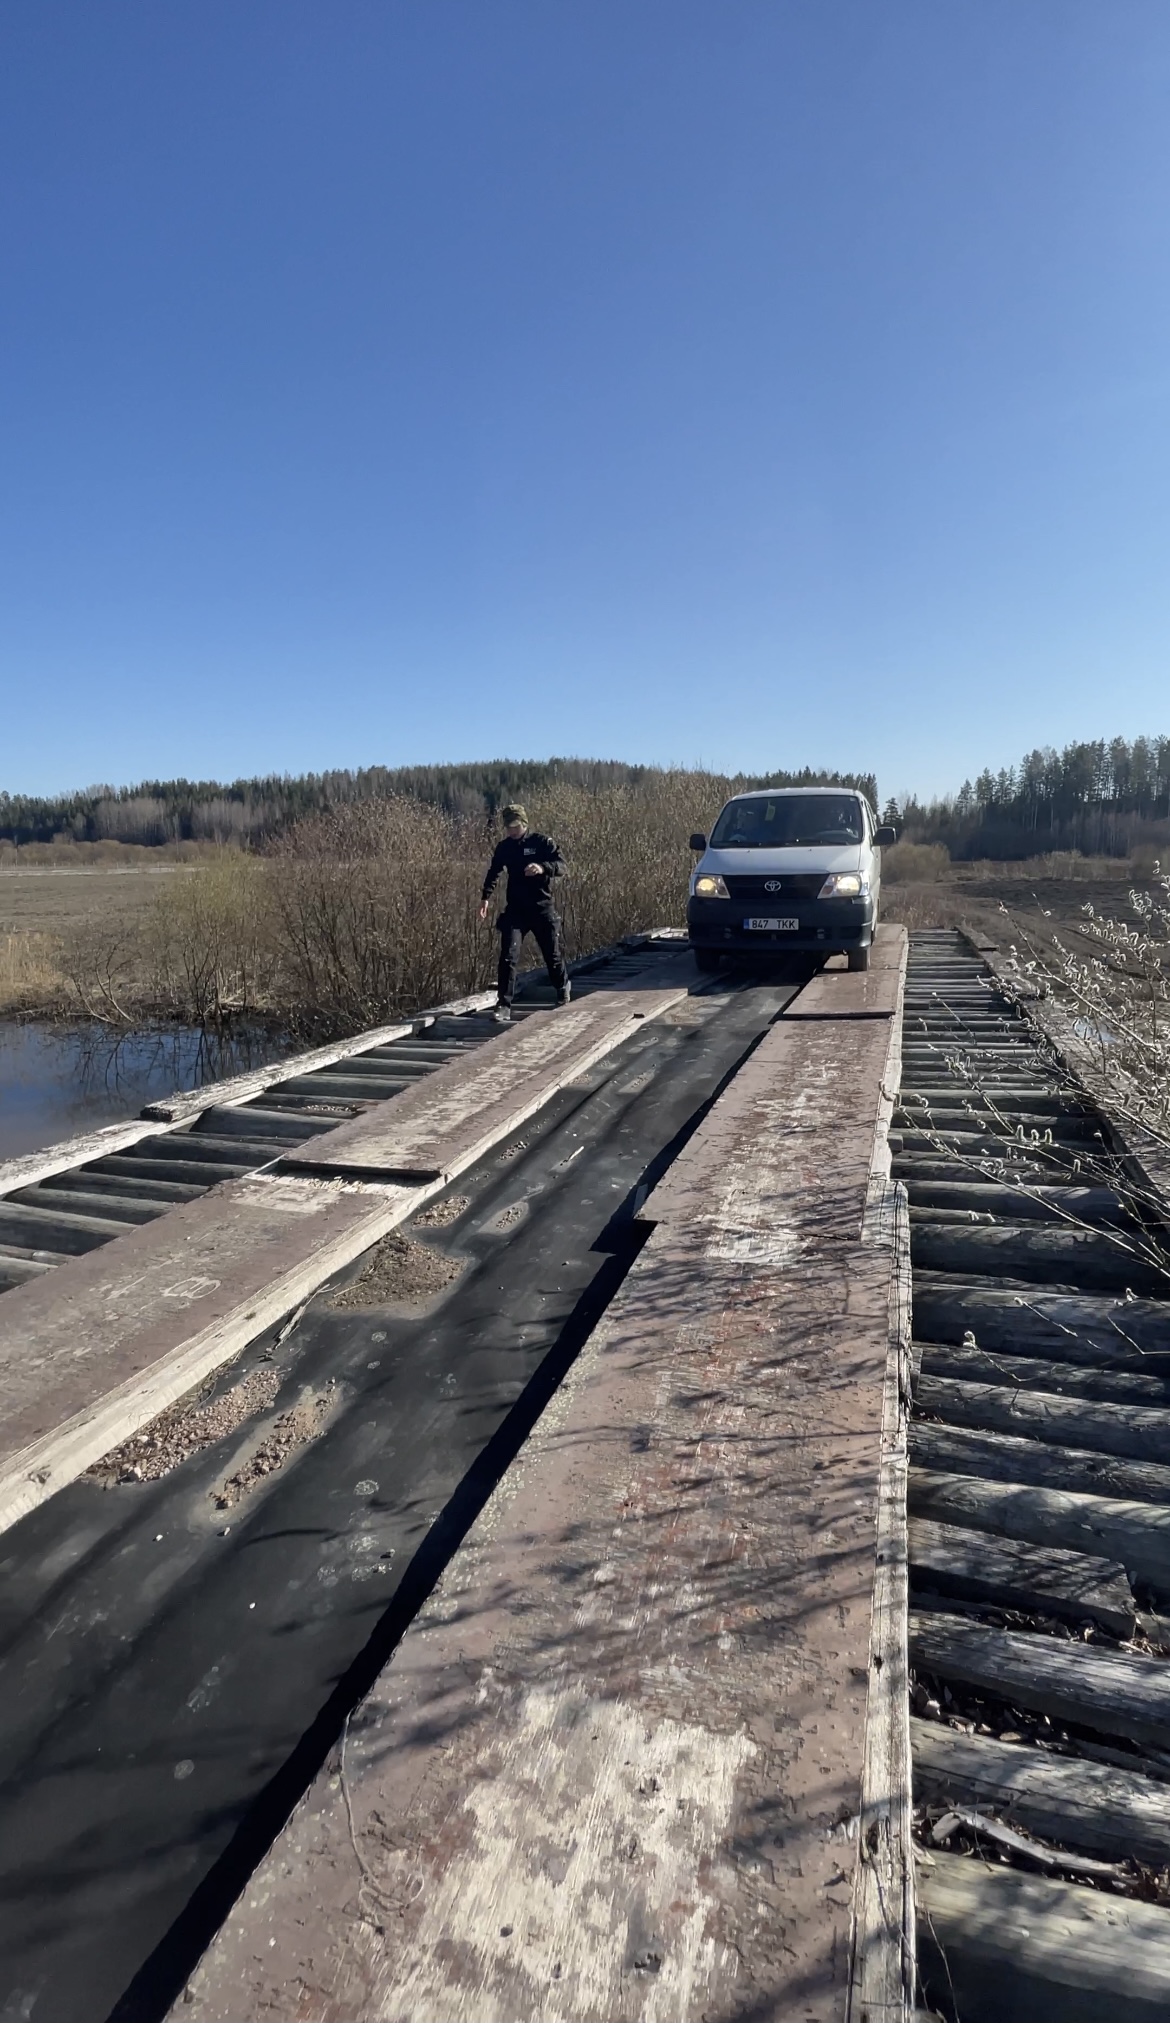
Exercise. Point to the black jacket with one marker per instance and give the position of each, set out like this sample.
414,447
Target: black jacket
525,895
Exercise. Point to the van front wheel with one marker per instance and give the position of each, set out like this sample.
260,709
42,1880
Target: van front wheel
859,958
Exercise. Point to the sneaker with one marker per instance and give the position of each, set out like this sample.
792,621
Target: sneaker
564,995
503,1015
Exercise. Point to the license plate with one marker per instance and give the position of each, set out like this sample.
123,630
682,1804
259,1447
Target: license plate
774,926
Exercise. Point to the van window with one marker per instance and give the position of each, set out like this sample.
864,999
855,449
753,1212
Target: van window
789,820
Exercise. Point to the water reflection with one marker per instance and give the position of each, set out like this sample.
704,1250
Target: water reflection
56,1081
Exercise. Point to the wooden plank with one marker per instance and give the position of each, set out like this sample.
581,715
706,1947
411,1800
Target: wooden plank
1003,1458
1005,1573
1039,1373
883,1970
31,1167
1025,1949
1095,1807
443,1124
161,1117
91,1352
630,1795
1134,1535
1110,1692
94,1350
872,993
1131,1432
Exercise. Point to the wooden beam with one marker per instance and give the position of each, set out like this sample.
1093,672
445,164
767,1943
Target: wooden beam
1039,1373
883,1971
1003,1458
1135,1535
1003,1573
1111,1692
1095,1807
1132,1432
1026,1949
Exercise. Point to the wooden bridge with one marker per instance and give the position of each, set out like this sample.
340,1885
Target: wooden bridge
661,1512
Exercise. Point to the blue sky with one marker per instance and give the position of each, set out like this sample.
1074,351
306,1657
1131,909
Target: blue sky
754,382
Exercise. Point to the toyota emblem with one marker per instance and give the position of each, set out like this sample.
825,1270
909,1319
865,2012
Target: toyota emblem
773,885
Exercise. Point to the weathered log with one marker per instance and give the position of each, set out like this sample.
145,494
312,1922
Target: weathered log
1132,1432
1003,1458
1040,1255
1038,1373
1072,1327
46,1229
1029,1201
913,1167
1135,1535
1027,1949
1003,1573
1040,1097
944,1118
977,1144
1066,1800
1108,1692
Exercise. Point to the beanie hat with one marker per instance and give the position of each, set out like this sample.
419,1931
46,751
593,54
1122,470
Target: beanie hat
512,814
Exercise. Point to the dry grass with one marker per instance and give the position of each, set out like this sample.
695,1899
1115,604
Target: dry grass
30,972
48,911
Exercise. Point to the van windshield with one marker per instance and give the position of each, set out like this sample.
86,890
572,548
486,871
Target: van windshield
789,820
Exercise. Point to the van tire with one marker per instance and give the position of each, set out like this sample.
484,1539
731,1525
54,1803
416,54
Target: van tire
708,960
858,958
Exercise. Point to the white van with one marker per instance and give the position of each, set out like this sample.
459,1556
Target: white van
788,868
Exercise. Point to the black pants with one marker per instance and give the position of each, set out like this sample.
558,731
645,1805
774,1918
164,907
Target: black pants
545,927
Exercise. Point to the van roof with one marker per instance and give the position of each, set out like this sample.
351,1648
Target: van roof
770,793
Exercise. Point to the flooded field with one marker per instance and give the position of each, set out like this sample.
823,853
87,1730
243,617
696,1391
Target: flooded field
57,1080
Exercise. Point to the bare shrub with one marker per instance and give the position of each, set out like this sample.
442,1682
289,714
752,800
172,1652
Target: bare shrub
918,906
1120,991
374,910
627,853
915,863
209,943
102,963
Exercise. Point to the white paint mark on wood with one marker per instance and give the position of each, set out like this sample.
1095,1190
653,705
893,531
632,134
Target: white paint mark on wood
592,1844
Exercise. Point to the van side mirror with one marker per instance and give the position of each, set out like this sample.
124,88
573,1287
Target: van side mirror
698,842
885,837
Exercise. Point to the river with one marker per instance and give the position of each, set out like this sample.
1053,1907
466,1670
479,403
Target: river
59,1080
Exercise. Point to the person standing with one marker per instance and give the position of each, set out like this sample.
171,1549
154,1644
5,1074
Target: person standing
531,862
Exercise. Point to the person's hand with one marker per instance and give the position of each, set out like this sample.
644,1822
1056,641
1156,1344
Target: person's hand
483,911
534,870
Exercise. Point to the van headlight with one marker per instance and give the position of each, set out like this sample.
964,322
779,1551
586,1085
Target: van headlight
707,887
845,885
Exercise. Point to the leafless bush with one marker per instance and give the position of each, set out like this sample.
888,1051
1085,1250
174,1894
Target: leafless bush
102,964
209,943
374,911
627,852
915,863
1120,992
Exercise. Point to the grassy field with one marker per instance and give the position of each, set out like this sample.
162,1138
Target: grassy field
43,905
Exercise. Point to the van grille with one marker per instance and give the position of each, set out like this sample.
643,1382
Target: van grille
797,885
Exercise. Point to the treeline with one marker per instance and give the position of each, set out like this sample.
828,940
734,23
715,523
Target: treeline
1106,798
158,812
